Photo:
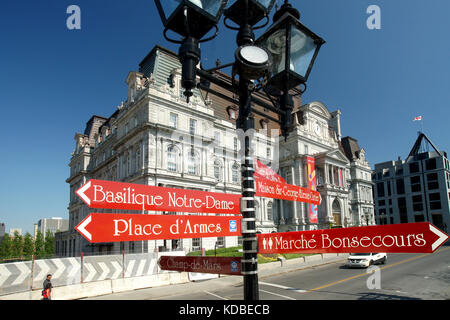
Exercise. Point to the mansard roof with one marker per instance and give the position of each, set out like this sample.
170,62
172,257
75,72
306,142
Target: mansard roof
350,148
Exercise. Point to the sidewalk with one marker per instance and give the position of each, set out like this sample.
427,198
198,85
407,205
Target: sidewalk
264,270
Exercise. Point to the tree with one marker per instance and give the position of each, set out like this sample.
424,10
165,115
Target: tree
6,247
49,243
17,245
39,245
28,245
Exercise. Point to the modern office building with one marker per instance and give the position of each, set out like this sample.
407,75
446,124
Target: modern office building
415,189
156,138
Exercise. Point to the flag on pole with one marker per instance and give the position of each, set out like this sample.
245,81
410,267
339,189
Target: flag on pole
418,118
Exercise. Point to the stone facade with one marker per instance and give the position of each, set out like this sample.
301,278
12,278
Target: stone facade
156,138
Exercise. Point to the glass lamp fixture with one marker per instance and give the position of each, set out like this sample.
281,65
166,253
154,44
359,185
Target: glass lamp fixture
248,11
190,18
293,47
252,62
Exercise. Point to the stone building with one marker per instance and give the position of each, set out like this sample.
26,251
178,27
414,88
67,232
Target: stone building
156,138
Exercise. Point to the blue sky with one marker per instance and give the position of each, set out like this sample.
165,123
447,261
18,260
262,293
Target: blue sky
52,80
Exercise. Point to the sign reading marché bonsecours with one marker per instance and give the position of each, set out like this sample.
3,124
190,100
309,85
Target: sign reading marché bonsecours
101,194
420,237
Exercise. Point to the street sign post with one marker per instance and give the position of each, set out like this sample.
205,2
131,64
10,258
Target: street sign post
216,265
107,227
421,237
101,194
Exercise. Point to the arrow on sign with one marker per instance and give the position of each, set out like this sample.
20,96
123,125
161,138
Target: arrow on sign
442,237
81,193
82,228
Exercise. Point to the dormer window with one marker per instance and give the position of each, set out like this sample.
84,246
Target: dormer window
232,112
264,124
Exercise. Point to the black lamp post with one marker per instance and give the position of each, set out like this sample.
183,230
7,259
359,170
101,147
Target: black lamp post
287,39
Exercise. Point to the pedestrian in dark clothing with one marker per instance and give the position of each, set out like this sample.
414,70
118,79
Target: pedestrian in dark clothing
47,288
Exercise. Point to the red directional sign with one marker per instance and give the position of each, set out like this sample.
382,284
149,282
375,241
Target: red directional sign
102,194
284,191
421,237
107,227
217,265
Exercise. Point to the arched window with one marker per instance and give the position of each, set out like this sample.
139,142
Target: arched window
218,170
172,159
235,173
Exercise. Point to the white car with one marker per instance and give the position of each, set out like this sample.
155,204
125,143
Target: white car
365,259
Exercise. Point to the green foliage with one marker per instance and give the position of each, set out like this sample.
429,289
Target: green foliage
49,244
220,252
17,245
39,245
28,246
6,247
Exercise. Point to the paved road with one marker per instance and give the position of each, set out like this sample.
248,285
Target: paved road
404,277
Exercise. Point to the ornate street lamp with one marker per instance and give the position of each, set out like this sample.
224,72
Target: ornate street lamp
294,49
282,58
192,19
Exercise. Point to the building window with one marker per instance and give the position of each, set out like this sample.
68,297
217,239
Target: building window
173,120
193,163
380,189
432,179
401,202
172,159
431,164
220,243
217,170
435,201
417,203
268,153
400,186
232,113
415,184
217,137
414,167
235,144
196,243
192,126
235,173
269,211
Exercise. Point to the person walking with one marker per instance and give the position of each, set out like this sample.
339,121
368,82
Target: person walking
47,288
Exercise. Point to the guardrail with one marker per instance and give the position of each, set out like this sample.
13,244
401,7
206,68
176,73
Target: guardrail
29,275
